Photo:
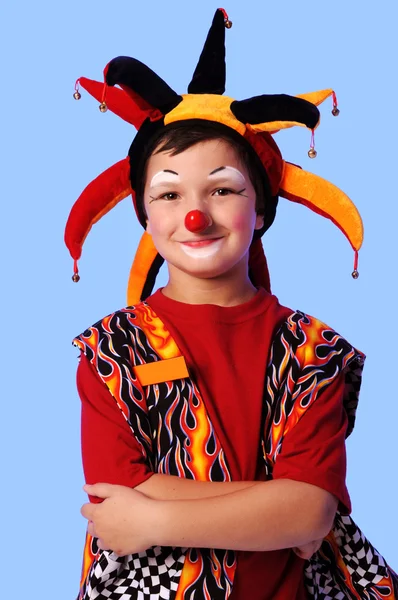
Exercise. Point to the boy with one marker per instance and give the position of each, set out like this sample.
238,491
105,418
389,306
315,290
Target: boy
210,516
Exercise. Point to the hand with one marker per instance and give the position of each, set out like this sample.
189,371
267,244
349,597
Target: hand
123,522
308,550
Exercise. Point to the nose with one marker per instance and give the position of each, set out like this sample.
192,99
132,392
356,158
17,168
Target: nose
197,221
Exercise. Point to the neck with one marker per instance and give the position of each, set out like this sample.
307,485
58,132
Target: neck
229,289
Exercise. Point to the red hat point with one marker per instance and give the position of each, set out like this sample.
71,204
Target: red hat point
196,221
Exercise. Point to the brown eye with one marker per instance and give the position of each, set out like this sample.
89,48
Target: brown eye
169,196
223,192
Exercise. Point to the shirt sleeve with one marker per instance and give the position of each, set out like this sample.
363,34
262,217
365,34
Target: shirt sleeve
314,450
110,452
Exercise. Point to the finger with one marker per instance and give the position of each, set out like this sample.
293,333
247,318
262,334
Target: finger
308,550
91,529
88,511
100,490
302,554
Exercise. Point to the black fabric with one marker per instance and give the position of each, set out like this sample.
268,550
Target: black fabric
209,75
151,277
275,107
142,80
148,131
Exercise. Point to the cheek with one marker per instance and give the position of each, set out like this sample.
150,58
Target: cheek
239,223
241,214
242,221
161,222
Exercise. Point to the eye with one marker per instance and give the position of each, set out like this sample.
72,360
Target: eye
223,192
169,196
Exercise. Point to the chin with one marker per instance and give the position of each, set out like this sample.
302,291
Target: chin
207,268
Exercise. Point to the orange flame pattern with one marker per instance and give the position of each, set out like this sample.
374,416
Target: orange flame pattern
88,558
184,444
309,353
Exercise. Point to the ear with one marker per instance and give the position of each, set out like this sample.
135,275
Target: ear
259,221
148,227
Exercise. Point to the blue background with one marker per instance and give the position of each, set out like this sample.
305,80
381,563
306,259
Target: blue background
52,147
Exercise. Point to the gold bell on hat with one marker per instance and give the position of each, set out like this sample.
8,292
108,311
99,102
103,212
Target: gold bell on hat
355,273
77,95
75,276
103,107
312,152
335,110
227,22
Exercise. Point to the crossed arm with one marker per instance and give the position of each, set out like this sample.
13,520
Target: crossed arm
167,510
255,515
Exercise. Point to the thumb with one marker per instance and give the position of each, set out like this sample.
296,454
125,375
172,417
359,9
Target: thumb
303,553
100,490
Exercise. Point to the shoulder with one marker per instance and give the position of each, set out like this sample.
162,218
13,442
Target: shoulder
116,328
314,343
307,357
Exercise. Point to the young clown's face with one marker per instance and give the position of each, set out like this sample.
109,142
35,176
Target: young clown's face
211,178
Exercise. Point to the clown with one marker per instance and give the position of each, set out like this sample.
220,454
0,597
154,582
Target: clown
216,416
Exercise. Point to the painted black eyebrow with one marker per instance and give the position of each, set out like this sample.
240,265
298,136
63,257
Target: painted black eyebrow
169,171
216,170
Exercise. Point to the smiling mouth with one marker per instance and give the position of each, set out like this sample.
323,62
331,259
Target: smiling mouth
201,249
201,243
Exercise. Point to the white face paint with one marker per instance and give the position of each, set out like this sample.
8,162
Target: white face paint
231,174
164,177
204,251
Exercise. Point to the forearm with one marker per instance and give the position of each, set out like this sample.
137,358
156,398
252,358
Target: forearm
171,487
266,516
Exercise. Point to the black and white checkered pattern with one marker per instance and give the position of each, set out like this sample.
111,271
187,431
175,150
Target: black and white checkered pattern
320,583
150,575
366,567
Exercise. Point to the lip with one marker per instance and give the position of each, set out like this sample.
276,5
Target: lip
201,243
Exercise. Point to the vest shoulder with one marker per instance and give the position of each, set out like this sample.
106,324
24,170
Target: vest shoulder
307,356
314,341
116,323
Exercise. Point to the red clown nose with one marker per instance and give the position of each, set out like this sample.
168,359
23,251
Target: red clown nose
196,221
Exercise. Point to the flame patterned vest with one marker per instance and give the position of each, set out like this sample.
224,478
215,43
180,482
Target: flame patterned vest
140,363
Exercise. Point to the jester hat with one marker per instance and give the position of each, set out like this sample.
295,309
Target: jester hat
144,100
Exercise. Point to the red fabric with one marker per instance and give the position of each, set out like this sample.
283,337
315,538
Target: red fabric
226,350
270,156
111,454
118,101
97,198
313,452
